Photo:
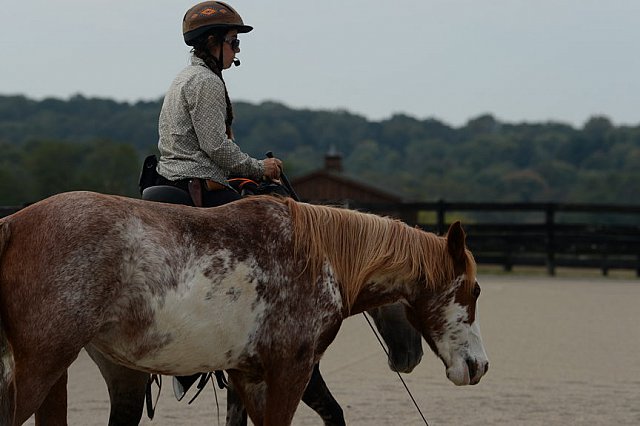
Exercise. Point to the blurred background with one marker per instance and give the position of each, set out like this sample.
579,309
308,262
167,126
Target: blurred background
366,101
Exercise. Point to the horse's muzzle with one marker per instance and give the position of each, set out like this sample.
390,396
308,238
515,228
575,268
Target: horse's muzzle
404,362
468,371
476,369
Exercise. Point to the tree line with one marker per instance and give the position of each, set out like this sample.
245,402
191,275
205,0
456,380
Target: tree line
55,145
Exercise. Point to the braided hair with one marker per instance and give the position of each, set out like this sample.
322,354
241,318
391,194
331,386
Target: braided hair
202,49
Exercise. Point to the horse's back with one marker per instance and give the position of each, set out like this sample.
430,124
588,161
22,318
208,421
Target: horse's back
119,267
75,218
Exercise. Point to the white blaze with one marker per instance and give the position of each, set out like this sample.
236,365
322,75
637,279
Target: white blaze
460,343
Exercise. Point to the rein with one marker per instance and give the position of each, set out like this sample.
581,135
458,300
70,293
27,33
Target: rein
399,376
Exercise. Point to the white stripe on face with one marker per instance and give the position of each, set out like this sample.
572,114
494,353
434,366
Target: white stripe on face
460,343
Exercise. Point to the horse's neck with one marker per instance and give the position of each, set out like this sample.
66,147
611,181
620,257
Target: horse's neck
378,292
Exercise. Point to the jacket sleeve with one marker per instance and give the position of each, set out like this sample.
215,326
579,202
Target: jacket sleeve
207,107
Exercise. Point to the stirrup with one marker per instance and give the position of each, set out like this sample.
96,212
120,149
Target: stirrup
181,384
203,381
221,379
148,397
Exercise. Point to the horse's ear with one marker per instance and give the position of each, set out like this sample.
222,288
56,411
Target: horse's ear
456,241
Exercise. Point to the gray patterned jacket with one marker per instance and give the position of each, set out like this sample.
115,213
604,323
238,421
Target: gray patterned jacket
193,142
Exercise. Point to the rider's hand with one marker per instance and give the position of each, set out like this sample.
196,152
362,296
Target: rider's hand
272,168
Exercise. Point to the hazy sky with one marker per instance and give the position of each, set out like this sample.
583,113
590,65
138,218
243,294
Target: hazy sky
521,60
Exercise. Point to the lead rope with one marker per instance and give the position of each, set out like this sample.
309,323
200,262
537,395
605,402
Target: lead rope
215,393
399,376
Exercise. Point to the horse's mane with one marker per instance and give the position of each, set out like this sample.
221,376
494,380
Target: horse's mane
360,244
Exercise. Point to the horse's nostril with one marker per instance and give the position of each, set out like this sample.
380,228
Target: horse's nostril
486,368
473,368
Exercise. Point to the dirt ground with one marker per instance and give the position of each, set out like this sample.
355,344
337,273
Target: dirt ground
563,351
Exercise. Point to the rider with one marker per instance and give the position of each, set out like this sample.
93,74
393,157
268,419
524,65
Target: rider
197,148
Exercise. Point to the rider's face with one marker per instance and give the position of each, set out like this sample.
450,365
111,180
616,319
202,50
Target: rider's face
230,46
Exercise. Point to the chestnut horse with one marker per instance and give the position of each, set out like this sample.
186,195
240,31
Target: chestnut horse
404,347
258,288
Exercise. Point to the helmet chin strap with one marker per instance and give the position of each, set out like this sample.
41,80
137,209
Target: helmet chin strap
236,61
221,57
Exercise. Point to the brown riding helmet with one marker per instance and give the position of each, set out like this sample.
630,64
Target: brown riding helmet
210,15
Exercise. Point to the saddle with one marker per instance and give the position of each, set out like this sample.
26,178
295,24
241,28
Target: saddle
153,186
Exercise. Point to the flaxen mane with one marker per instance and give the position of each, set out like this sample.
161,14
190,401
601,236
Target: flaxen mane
358,244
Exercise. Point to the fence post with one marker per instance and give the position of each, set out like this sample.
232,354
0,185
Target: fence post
549,225
408,215
605,266
440,221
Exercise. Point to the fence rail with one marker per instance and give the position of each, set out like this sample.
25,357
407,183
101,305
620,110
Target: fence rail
538,240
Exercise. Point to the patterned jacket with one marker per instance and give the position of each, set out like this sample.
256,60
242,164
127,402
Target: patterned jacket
193,142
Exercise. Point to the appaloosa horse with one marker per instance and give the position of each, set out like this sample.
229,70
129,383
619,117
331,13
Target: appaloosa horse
127,387
258,288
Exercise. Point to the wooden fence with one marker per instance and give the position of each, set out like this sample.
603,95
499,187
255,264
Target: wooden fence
535,234
532,234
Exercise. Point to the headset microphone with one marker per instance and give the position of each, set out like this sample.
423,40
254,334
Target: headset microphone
236,62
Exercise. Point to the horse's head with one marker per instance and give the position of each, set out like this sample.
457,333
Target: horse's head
402,339
446,315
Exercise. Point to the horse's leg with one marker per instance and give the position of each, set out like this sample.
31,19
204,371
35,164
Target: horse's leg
286,383
46,337
53,411
252,393
38,384
318,397
7,383
126,389
236,414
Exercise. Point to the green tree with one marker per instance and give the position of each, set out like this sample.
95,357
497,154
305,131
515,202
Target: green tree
110,168
53,167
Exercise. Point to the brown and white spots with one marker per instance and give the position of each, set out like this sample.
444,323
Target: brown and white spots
176,290
330,290
192,316
233,293
457,341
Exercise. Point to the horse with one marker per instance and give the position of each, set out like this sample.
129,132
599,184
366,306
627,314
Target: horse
127,387
258,288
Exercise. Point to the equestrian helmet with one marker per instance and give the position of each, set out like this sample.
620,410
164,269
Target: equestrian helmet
210,15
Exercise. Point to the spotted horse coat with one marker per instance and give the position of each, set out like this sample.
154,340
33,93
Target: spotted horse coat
258,288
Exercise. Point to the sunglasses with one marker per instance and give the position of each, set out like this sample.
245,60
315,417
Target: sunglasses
233,42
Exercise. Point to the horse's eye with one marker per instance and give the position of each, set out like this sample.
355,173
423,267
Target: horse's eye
476,290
